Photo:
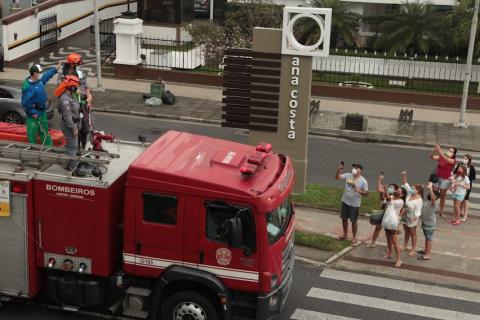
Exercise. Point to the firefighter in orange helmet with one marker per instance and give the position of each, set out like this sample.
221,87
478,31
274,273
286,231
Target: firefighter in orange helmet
69,109
71,67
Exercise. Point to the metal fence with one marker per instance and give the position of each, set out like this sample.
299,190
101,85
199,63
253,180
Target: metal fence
48,30
343,67
107,38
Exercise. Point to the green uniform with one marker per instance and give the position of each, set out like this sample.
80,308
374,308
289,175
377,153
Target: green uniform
38,126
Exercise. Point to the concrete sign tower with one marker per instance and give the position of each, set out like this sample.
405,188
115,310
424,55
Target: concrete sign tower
291,135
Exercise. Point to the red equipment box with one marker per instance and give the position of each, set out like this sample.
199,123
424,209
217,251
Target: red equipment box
18,132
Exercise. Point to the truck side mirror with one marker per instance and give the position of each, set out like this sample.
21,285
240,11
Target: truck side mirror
235,232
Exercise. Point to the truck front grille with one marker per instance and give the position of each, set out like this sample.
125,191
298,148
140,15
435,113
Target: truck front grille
287,258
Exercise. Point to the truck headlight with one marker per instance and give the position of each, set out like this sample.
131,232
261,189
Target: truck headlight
273,302
274,281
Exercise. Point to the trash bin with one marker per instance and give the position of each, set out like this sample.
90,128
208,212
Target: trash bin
157,89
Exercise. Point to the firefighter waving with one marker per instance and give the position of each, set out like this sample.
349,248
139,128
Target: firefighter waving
72,68
34,101
69,109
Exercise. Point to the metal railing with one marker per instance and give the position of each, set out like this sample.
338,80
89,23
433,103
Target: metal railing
107,38
344,67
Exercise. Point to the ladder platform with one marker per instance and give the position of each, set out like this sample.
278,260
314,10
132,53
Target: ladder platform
26,152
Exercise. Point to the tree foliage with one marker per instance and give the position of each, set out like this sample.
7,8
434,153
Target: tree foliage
460,22
245,15
345,24
414,28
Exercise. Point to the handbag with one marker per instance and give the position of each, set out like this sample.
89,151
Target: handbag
433,177
390,219
376,216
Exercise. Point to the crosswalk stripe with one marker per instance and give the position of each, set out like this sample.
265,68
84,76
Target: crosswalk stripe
472,205
400,285
474,195
389,305
475,161
301,314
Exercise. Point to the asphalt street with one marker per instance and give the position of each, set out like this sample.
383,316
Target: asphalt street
323,154
329,294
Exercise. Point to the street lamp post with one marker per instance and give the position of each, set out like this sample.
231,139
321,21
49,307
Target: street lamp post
97,46
468,67
211,10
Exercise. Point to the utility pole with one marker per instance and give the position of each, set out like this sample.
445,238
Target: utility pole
468,66
211,10
97,46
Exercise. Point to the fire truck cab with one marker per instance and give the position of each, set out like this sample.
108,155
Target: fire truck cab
191,227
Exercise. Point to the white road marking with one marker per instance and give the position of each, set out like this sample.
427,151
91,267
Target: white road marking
400,285
449,203
301,314
474,195
475,160
389,305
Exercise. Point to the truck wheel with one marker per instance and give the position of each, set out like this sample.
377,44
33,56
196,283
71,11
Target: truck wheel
188,305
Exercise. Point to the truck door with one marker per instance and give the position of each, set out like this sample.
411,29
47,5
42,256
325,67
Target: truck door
237,266
14,243
158,232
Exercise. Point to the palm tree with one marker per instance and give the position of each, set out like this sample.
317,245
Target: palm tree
345,24
414,28
460,20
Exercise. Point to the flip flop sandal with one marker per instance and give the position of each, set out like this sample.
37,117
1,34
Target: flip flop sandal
371,245
421,251
398,265
423,258
356,244
341,238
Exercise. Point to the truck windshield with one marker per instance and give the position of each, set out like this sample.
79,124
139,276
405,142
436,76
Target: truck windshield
277,221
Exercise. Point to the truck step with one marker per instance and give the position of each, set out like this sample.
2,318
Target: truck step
137,291
135,313
70,308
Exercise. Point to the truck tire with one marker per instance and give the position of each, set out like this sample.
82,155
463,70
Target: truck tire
188,305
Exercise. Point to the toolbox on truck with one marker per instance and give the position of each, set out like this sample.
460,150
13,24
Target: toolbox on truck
18,132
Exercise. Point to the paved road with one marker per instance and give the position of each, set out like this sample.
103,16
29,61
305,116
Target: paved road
334,295
324,153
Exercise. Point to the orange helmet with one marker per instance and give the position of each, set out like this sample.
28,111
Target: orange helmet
71,81
74,58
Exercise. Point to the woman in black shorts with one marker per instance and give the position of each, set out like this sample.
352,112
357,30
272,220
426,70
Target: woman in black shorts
467,161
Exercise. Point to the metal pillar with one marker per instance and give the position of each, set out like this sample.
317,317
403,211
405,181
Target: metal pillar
468,66
211,10
97,47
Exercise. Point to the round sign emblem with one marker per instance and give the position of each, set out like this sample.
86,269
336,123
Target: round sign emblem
224,256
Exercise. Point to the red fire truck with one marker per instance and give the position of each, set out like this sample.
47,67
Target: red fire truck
189,227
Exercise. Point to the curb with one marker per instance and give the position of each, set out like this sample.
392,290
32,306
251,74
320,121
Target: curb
338,255
359,138
158,116
349,135
303,205
311,261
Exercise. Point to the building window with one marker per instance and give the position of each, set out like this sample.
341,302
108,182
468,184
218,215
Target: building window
166,11
159,208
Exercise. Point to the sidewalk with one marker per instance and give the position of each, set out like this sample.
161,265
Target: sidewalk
200,103
455,258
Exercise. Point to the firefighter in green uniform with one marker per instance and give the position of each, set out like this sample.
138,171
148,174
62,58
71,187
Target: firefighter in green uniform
34,101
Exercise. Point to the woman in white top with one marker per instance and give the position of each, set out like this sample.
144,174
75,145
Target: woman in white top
413,204
460,185
394,202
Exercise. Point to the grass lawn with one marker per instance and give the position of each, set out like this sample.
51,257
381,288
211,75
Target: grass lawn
329,198
318,241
